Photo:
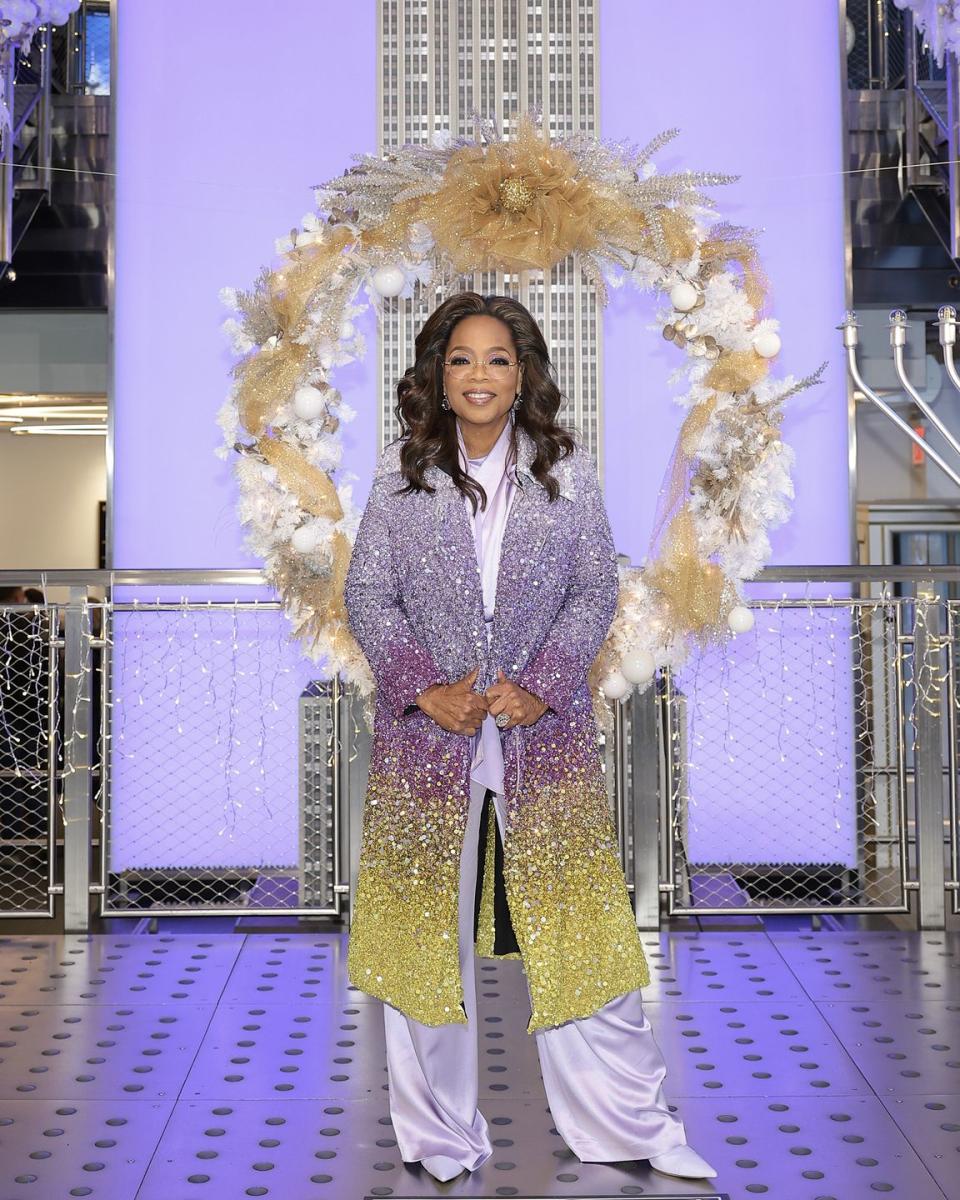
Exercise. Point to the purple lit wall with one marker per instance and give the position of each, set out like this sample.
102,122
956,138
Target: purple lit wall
226,119
754,88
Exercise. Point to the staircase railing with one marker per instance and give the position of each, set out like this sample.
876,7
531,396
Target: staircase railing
26,145
931,164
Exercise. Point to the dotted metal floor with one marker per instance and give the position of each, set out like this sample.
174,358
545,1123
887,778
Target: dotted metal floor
807,1066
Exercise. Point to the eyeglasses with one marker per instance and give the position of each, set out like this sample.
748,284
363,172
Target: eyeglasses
460,365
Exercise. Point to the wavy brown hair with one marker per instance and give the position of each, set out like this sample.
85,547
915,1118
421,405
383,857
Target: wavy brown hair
429,432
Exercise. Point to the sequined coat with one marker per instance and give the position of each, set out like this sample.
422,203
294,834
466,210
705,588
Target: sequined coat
414,602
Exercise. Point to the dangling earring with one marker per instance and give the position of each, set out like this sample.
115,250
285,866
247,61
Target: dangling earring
517,400
443,403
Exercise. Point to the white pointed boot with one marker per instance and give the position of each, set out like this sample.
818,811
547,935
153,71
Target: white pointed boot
683,1161
442,1167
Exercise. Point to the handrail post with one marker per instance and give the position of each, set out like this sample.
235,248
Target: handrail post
953,141
7,54
645,800
357,766
45,111
911,129
928,762
77,763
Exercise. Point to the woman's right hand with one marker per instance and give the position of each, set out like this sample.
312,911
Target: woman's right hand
454,706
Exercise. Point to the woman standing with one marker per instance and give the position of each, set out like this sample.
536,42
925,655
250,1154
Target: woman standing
482,583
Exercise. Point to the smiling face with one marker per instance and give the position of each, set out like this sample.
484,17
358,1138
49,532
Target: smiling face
481,396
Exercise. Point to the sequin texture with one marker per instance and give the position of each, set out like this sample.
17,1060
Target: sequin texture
414,602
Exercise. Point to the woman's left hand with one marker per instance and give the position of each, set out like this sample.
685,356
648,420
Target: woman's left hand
505,696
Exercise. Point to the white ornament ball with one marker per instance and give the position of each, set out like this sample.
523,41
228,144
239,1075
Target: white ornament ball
304,539
638,666
308,403
616,685
389,281
347,330
767,344
740,619
683,296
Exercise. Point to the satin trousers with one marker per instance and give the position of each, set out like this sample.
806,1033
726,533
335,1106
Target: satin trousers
602,1074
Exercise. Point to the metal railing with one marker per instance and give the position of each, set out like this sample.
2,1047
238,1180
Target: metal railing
26,146
836,803
166,748
33,79
953,750
192,760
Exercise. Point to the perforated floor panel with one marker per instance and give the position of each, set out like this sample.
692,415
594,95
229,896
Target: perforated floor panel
806,1067
873,965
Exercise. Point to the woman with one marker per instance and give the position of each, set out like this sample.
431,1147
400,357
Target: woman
482,583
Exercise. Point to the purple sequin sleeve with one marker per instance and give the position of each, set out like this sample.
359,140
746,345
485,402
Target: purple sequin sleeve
561,662
402,666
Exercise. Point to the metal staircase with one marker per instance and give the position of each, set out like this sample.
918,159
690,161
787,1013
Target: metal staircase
902,187
53,182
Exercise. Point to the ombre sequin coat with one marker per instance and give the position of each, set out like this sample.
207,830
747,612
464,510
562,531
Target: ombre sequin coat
415,605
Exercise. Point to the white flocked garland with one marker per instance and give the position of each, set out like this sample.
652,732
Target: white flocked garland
400,221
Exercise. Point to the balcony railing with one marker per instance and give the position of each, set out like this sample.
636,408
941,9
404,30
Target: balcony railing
167,748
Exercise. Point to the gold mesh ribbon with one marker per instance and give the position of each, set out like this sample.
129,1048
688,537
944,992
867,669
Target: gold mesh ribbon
736,371
677,476
691,587
294,284
727,244
267,378
393,232
519,205
320,595
266,381
313,487
512,206
522,204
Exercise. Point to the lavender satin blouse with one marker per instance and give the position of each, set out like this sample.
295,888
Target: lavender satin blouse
488,524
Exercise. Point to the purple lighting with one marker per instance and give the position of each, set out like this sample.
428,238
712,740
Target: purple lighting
220,138
718,73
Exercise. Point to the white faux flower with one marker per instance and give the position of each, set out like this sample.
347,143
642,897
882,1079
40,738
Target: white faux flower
726,313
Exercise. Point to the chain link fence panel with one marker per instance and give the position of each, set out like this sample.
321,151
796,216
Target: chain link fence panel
31,756
222,749
786,764
211,770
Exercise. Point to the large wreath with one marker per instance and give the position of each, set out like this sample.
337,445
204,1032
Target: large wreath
435,214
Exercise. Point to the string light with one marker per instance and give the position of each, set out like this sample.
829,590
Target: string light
715,690
796,648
